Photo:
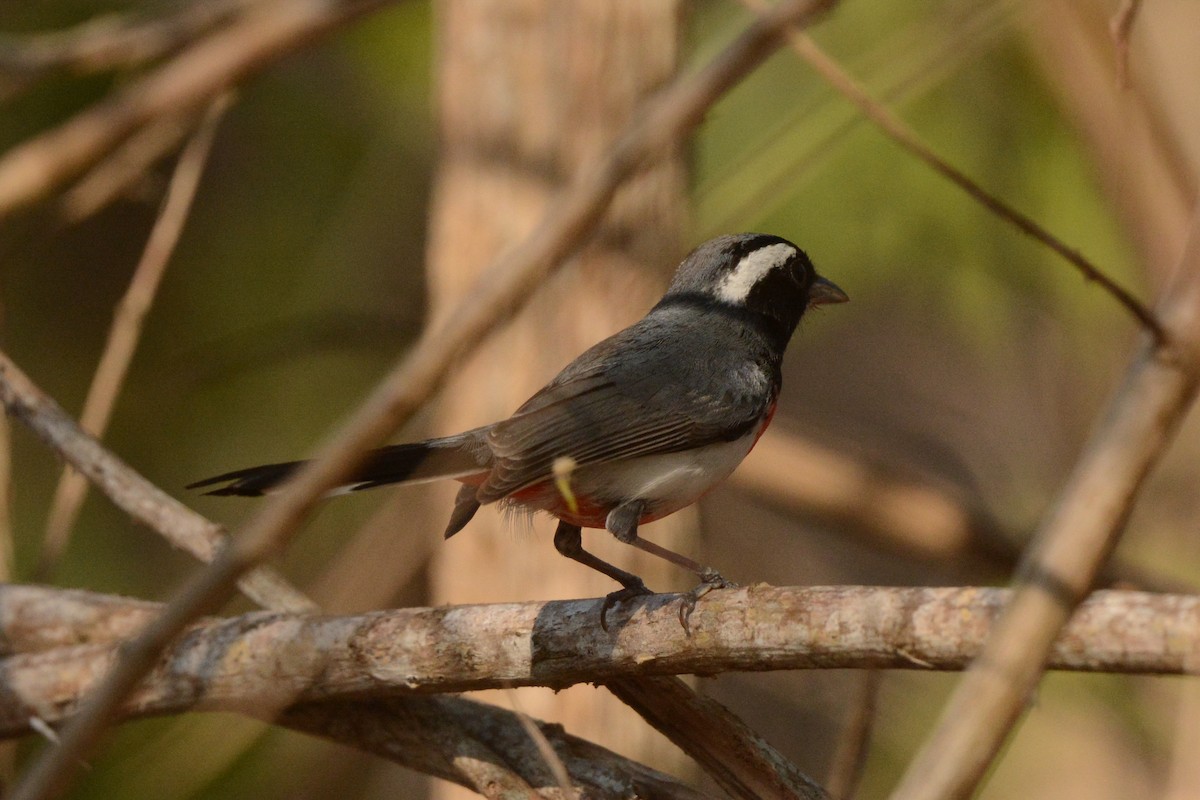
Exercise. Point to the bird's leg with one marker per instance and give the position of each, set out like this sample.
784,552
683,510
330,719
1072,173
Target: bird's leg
622,523
568,540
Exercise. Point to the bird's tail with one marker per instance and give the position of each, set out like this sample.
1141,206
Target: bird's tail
459,456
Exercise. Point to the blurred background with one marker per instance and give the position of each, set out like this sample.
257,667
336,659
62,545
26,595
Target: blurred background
923,428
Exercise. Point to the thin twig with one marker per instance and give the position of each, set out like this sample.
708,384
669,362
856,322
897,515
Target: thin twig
850,755
1075,538
906,137
663,123
1120,27
126,328
128,490
32,170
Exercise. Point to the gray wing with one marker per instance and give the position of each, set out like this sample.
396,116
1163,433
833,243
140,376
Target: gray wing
601,408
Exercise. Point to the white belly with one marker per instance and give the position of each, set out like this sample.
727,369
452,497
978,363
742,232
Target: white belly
668,482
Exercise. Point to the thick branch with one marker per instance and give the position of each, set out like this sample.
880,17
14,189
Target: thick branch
262,661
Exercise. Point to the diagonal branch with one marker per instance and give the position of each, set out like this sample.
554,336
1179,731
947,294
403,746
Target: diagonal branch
1070,548
663,124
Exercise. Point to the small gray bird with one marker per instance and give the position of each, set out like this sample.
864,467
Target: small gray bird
638,426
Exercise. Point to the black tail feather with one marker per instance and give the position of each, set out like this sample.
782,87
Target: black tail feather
250,482
451,457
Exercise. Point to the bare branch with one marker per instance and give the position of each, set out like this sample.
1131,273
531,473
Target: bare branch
274,28
262,661
665,122
128,490
421,733
1075,538
127,328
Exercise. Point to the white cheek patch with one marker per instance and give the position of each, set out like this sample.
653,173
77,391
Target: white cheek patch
753,267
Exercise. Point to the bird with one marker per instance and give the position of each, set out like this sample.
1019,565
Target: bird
637,427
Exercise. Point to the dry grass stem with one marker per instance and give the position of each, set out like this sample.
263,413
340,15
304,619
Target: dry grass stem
127,170
126,329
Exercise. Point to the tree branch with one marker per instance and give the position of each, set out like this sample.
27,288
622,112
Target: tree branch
266,661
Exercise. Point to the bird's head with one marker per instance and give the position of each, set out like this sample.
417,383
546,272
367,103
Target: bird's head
757,272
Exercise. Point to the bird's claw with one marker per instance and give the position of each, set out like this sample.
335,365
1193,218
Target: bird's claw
709,579
627,593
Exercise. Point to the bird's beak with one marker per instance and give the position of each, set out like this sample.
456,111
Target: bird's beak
824,292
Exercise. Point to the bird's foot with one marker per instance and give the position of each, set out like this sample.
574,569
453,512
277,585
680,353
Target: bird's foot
709,579
630,591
